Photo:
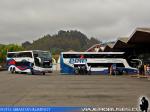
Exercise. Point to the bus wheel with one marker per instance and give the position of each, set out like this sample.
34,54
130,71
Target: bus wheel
13,70
76,71
43,73
10,69
118,72
124,72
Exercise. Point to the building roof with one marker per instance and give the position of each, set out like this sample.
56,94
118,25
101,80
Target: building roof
140,35
109,47
121,43
123,39
143,29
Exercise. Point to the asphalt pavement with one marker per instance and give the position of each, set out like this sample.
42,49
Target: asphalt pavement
54,89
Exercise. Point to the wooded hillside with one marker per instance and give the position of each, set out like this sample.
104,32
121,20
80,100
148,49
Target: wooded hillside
63,41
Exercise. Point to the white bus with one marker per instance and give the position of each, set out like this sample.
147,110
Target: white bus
95,63
34,61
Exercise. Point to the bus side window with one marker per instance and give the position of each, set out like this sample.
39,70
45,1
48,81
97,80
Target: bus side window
120,65
25,54
11,55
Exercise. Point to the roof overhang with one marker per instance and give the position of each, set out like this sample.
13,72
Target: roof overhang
140,36
108,47
119,44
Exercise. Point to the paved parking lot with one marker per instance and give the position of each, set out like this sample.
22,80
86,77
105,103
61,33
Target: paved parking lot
70,90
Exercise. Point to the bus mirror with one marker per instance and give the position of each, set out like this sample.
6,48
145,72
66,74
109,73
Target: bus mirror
39,59
139,61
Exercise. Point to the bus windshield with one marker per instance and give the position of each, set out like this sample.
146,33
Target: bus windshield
11,55
24,54
42,54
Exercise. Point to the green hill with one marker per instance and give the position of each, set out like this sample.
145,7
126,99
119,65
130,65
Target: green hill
63,41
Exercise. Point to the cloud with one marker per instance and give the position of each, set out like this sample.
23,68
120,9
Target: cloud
23,20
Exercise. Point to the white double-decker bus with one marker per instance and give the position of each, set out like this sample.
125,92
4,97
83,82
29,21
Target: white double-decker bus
34,61
95,63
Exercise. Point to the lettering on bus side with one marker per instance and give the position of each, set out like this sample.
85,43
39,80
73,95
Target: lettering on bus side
77,60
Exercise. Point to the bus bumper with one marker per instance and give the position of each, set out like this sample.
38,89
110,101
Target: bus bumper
45,70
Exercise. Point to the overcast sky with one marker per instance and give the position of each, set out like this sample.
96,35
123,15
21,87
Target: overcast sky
22,20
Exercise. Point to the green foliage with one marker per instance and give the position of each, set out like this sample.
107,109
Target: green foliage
63,41
5,48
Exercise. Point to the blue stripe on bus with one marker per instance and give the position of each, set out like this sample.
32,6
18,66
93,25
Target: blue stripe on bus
128,70
104,72
65,68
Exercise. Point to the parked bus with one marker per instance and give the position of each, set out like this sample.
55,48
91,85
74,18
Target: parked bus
35,61
94,63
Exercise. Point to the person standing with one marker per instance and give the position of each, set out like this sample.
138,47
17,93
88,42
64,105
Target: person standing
114,69
145,69
110,69
148,69
89,70
142,69
144,106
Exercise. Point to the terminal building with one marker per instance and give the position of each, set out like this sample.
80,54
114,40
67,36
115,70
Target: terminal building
136,46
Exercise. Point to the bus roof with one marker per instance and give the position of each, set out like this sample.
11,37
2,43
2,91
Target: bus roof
92,52
27,51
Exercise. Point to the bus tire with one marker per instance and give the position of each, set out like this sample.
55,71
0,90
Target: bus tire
117,72
10,69
13,70
76,72
43,73
113,72
124,72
